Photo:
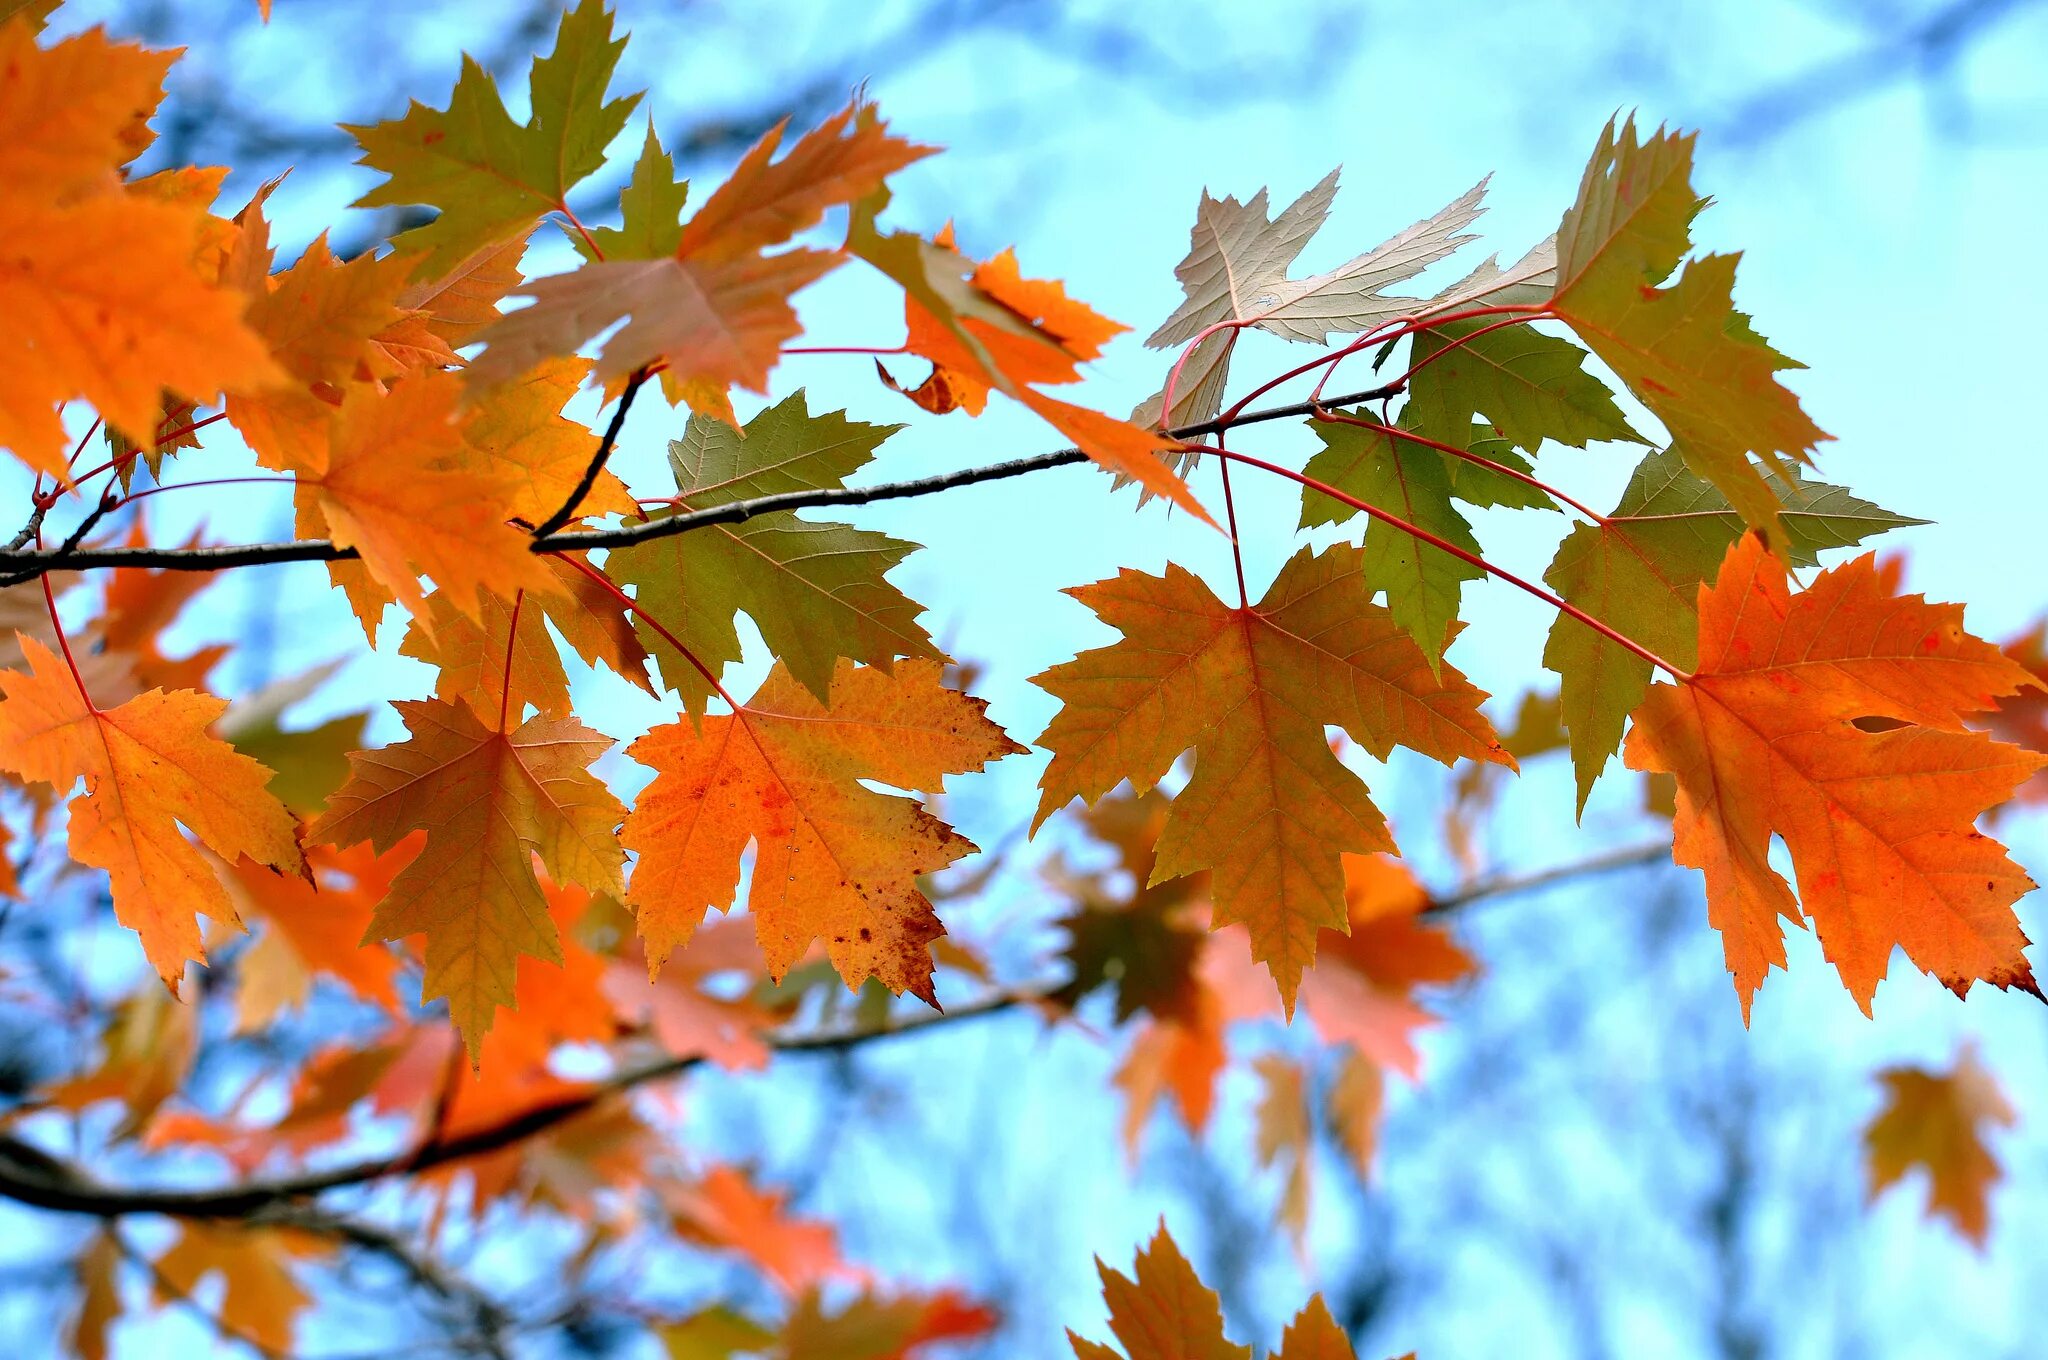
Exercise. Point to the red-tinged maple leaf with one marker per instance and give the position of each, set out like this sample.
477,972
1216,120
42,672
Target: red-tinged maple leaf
872,1326
833,860
1270,811
687,1020
150,766
314,927
392,482
489,802
724,1209
985,327
1835,720
1937,1121
717,311
2022,718
1361,989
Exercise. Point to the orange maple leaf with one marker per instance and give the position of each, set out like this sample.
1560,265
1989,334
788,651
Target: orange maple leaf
489,802
1270,810
103,287
319,319
1937,1120
726,1209
149,767
833,860
516,429
314,925
1834,719
394,482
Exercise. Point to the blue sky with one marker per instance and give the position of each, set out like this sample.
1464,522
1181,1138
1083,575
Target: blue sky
1883,246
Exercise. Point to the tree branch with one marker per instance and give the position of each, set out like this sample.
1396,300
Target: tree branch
31,1176
26,566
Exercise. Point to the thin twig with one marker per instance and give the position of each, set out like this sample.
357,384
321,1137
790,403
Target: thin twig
28,565
600,458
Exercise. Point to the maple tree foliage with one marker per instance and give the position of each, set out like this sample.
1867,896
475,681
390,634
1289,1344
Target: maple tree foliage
534,931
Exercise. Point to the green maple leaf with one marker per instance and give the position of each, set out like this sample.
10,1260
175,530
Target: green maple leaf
1529,386
1410,480
650,211
1684,351
1640,572
816,590
1477,484
493,178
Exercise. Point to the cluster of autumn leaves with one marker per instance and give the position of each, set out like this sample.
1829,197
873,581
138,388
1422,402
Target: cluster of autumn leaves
420,425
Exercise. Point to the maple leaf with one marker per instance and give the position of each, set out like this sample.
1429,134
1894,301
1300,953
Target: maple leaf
1285,1136
716,310
492,178
516,429
687,1018
507,659
1529,386
1411,481
1139,940
1683,350
314,925
1937,1121
319,319
2022,718
1640,570
392,482
146,1053
1237,270
985,327
149,767
726,1209
1270,810
1764,739
103,288
262,1298
650,211
816,590
1361,990
875,1326
833,859
464,300
1161,1311
489,802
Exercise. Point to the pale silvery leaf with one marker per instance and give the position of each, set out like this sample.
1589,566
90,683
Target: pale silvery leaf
1530,279
1236,257
1349,298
